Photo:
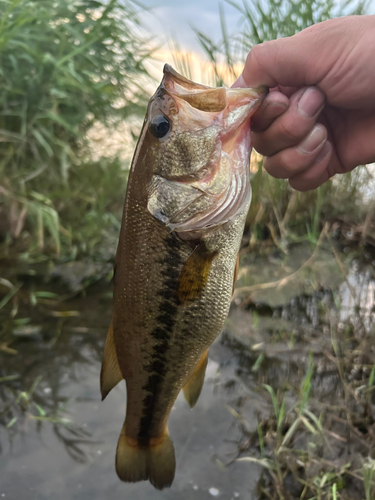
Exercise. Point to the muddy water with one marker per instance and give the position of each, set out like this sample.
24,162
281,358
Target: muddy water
59,442
75,460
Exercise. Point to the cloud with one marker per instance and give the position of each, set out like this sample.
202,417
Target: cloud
171,21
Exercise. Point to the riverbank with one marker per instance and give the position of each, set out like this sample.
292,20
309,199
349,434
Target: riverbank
287,409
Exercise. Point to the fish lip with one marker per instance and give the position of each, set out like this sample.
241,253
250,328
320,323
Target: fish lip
234,105
219,101
241,105
252,92
171,75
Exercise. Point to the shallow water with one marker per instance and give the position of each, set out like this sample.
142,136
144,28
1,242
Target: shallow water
59,351
40,460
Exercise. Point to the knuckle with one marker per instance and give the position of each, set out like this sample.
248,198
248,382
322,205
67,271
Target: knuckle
254,54
287,167
256,142
261,144
289,133
299,185
258,55
285,164
275,167
257,52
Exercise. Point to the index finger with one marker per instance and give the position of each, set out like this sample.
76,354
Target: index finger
274,105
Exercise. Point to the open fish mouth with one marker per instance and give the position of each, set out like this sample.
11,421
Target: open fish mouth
214,193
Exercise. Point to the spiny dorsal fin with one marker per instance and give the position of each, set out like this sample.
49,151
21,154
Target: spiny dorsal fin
110,374
193,387
194,274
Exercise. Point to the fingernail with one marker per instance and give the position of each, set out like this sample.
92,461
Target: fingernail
313,140
240,82
310,102
324,152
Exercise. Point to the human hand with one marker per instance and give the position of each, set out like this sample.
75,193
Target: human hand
319,117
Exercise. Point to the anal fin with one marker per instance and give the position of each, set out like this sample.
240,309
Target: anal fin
110,374
193,387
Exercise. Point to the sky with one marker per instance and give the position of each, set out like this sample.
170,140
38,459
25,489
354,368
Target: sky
174,18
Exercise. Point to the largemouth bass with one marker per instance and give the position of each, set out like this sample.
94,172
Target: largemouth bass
187,199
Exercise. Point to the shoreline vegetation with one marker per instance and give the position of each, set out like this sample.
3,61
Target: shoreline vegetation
68,82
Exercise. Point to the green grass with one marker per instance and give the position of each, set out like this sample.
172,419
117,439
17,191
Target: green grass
65,66
315,441
302,444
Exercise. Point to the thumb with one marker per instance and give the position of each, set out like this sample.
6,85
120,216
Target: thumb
288,62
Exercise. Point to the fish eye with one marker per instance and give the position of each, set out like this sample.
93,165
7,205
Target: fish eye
159,126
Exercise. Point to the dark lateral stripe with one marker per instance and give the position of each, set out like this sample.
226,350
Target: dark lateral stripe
165,321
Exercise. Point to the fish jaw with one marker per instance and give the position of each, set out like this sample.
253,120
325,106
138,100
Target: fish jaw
221,188
235,138
241,105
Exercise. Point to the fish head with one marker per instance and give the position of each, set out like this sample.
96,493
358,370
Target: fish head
199,149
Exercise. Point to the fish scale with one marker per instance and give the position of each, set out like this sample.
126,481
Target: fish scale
172,288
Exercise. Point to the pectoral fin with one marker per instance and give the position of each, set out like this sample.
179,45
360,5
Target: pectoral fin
110,374
194,274
193,387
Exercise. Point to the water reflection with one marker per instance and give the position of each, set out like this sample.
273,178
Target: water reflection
58,439
357,295
63,439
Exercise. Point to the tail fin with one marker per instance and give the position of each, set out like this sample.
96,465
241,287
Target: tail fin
155,462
